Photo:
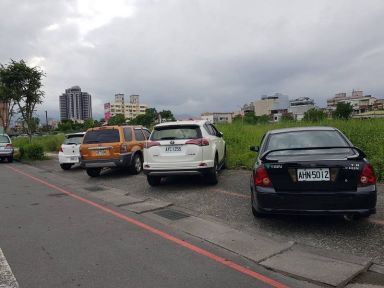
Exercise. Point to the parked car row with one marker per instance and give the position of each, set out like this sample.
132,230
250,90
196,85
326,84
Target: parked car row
308,170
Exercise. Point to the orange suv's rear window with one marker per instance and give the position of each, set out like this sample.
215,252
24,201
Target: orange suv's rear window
102,136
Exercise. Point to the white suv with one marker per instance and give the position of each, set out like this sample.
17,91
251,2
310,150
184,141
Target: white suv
184,148
69,153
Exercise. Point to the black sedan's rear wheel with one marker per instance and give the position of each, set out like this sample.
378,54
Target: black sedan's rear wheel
255,213
93,172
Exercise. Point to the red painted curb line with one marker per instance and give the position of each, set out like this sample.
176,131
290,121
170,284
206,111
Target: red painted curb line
162,234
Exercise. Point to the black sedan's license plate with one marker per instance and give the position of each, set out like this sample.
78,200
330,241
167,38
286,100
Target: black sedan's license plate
313,174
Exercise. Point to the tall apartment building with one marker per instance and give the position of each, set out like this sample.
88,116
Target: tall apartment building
75,105
130,110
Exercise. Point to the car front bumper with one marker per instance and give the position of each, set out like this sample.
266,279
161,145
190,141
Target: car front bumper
123,161
361,202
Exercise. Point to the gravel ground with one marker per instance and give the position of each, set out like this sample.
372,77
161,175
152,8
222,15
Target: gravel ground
229,202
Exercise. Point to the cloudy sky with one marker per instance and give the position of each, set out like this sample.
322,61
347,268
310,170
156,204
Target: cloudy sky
192,56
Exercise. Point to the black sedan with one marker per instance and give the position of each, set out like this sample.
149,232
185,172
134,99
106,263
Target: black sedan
311,171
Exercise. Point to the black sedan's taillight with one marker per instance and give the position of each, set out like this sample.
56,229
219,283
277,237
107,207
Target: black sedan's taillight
367,176
261,177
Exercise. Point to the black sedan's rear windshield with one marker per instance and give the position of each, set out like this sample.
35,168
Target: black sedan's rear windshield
176,132
307,139
102,136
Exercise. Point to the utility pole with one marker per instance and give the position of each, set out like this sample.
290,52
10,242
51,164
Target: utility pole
46,119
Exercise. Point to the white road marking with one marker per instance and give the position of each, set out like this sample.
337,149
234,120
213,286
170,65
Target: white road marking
7,279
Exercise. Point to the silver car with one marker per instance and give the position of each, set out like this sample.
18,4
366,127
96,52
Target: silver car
6,148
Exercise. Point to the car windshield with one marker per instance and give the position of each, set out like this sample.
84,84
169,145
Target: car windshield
176,132
73,139
307,139
102,136
4,139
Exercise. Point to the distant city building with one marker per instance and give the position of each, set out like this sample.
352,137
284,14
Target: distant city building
3,114
130,110
217,117
275,105
358,101
299,106
75,105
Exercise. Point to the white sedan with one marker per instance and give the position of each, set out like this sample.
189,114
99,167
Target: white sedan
69,153
184,148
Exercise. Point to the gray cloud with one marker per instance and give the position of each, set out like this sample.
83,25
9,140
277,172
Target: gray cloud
196,56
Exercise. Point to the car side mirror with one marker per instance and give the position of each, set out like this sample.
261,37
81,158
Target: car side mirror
254,148
221,134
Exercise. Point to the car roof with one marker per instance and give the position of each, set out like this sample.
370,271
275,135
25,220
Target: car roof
114,127
184,122
297,129
77,133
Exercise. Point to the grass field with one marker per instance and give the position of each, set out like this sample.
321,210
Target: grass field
50,143
367,134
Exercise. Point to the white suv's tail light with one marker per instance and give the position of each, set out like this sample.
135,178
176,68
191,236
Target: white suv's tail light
149,144
199,142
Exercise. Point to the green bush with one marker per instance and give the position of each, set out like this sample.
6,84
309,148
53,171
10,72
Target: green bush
33,151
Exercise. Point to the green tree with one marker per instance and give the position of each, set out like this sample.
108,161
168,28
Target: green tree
287,117
250,118
167,115
147,119
89,123
65,126
8,102
314,115
343,111
118,119
23,84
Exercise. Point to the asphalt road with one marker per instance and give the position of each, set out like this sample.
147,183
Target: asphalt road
52,237
229,202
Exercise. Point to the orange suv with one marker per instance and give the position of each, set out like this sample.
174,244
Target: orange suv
113,146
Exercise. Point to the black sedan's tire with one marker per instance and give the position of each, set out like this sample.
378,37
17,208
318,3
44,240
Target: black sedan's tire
93,172
154,180
65,166
255,213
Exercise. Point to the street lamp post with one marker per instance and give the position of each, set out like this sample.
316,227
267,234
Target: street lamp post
46,119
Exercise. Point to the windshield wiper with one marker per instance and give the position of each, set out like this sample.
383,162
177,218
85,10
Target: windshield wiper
91,141
168,138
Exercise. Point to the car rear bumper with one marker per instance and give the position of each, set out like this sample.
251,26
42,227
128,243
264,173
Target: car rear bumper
357,202
123,161
195,171
68,159
6,153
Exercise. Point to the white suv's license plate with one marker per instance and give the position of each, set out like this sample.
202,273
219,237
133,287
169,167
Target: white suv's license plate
172,149
74,158
315,174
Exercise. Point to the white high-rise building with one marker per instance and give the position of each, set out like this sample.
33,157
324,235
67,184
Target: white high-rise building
75,105
129,110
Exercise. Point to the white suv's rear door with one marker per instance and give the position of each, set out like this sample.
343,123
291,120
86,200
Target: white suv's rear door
215,137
